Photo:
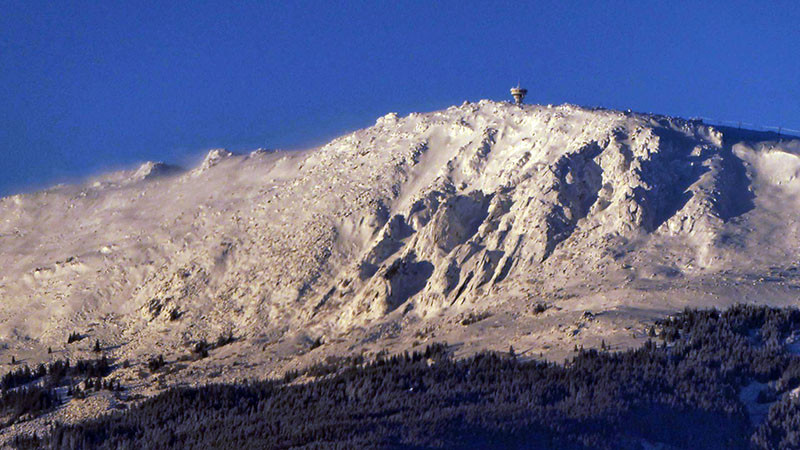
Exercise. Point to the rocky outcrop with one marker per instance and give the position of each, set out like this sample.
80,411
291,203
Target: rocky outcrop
422,214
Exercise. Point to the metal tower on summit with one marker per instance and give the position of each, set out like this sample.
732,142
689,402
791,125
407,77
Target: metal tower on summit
519,94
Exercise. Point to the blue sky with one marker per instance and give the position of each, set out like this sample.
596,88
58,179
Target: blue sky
93,86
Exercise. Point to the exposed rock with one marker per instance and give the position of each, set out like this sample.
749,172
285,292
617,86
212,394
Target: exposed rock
402,225
151,170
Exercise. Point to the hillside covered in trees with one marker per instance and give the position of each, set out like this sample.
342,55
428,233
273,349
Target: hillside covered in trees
683,388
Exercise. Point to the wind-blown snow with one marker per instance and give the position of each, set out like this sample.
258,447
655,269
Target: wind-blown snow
391,234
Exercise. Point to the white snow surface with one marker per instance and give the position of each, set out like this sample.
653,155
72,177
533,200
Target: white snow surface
389,236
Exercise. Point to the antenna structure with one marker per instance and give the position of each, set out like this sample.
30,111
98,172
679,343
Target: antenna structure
519,94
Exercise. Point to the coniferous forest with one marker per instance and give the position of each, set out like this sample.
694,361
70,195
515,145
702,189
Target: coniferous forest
682,388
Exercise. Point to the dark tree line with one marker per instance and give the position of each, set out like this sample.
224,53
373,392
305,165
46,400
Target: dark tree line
26,391
27,401
681,389
55,371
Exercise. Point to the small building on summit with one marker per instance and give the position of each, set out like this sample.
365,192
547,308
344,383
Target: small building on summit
519,94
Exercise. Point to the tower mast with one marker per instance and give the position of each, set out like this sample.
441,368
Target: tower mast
519,94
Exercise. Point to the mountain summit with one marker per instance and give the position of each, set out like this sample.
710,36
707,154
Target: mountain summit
486,225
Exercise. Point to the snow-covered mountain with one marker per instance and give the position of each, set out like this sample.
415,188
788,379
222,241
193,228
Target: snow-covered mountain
486,225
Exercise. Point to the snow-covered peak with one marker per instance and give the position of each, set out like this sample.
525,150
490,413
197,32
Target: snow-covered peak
391,233
151,170
212,158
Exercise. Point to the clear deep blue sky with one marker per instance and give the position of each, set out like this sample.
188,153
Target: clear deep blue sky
91,86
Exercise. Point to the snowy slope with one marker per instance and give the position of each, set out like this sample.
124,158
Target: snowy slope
391,235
